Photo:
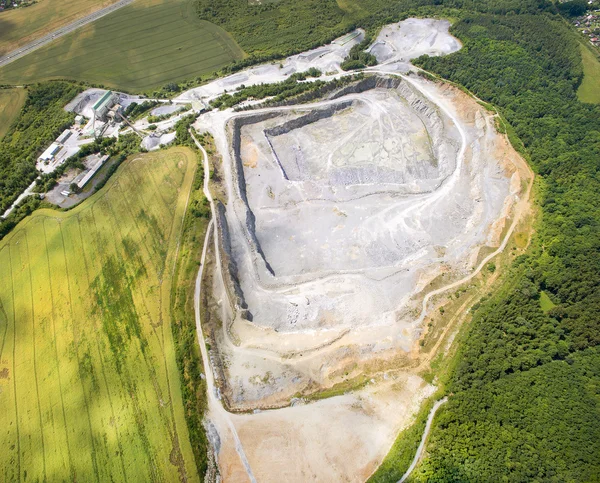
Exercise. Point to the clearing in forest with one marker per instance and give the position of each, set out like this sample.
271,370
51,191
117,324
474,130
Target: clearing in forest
141,46
588,90
89,387
11,102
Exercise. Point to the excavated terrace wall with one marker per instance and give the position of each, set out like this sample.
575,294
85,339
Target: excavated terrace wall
426,110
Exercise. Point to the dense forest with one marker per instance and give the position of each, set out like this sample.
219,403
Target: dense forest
525,404
274,29
40,122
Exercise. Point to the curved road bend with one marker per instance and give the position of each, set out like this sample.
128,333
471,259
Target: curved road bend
421,447
67,29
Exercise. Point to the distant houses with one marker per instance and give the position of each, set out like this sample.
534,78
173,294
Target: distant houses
589,25
6,5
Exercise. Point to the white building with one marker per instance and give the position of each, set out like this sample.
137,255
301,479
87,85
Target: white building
49,154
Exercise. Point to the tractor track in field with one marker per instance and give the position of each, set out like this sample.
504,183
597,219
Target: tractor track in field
58,33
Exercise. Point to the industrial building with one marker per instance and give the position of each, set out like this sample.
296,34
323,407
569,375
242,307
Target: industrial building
96,162
49,154
102,107
66,134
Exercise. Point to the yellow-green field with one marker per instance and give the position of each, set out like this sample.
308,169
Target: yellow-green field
589,90
89,387
141,46
11,102
22,25
545,303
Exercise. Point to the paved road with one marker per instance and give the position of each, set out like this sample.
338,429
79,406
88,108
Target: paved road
36,44
421,447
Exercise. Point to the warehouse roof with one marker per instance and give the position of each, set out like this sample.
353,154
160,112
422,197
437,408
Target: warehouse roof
50,152
102,100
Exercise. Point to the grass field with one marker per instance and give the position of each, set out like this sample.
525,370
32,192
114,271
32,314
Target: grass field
22,25
89,387
11,102
589,90
141,46
545,303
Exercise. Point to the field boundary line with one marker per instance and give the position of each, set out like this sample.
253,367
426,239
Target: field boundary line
2,311
85,399
188,178
98,345
14,361
62,401
35,375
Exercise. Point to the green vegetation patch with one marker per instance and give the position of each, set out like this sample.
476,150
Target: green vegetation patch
187,350
589,90
549,413
404,449
92,390
545,303
139,47
277,27
41,120
358,58
290,87
11,102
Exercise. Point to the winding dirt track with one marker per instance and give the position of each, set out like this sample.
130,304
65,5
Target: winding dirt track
217,411
421,447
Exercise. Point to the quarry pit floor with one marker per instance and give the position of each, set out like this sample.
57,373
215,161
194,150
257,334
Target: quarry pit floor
340,226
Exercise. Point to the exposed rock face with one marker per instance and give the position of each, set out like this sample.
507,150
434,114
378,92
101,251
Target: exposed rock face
338,215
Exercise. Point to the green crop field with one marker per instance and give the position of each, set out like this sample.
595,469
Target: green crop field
21,25
11,102
589,90
89,386
139,47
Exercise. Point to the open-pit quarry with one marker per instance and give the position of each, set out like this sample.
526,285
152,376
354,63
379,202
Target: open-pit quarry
335,223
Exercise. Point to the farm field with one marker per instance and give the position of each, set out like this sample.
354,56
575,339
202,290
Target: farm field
141,46
22,25
89,387
11,102
588,90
